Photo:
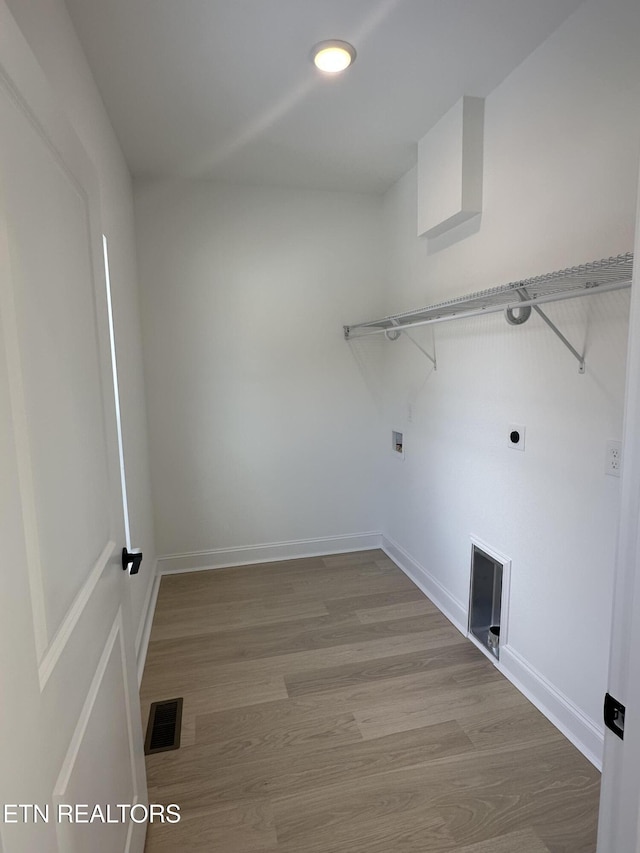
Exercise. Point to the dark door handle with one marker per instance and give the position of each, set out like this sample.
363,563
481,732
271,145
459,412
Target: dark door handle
131,561
614,713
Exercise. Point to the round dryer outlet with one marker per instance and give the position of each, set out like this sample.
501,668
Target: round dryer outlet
516,435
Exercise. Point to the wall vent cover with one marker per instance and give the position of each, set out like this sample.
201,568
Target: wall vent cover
163,728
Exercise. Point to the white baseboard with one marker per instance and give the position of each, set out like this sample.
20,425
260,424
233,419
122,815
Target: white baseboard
220,558
583,732
144,629
453,609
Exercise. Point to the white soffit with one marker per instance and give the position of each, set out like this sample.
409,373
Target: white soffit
450,169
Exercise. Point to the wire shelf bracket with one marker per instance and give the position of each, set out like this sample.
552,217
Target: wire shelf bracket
394,333
431,358
517,300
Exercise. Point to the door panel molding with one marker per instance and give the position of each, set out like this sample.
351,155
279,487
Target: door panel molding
23,455
32,99
33,95
47,624
113,662
61,638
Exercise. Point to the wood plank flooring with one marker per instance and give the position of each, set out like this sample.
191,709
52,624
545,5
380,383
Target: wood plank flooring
329,707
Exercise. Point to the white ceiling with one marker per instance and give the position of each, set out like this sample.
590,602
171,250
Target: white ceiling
225,89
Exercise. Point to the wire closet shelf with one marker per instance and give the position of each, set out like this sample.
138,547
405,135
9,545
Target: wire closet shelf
514,298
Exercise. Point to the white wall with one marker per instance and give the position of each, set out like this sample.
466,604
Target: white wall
562,138
48,29
262,430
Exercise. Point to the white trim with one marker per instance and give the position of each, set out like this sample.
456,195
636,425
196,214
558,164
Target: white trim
146,622
146,607
454,610
580,729
220,558
498,556
134,827
68,624
131,701
618,827
583,732
485,651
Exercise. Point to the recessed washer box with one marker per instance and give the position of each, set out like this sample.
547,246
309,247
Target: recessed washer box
489,591
397,443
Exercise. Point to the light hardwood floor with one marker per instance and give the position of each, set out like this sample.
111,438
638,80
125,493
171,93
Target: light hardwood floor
329,707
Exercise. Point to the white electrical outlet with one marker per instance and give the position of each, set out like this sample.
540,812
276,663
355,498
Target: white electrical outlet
613,459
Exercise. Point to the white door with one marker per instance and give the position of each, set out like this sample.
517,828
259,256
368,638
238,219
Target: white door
619,831
70,731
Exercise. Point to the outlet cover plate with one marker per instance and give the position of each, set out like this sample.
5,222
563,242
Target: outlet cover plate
613,459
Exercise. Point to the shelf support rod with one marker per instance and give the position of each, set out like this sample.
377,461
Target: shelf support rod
394,333
556,332
423,351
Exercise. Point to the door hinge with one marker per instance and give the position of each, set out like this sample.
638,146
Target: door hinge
614,715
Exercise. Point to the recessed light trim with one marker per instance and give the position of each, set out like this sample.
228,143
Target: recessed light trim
333,56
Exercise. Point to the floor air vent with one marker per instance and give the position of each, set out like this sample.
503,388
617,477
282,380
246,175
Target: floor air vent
163,729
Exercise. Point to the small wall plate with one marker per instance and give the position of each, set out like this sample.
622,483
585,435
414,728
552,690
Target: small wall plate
397,443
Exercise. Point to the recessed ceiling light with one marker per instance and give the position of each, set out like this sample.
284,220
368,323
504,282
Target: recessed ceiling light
333,56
